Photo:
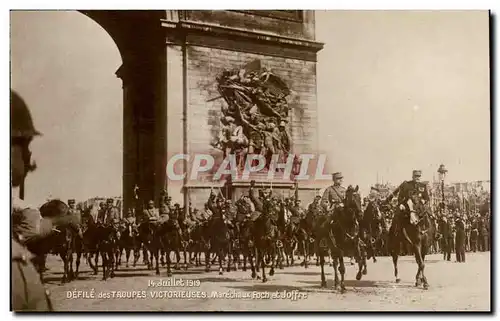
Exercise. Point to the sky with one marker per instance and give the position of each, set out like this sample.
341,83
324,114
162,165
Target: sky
397,91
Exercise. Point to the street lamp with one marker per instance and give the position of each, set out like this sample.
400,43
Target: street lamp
442,175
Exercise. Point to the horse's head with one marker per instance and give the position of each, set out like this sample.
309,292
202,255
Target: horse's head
353,201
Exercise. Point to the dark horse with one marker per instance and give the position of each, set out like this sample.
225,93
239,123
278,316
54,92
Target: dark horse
372,226
267,236
416,228
338,232
150,234
62,242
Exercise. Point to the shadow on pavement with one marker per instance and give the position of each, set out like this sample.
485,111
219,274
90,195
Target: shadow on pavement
356,284
220,279
266,287
301,273
56,280
118,274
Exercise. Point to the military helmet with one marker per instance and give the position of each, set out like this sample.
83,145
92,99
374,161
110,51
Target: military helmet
71,201
21,123
110,201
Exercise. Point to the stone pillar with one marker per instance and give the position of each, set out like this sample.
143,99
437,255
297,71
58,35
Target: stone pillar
129,141
176,115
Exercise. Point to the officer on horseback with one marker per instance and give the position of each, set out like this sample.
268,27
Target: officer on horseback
408,190
28,293
334,195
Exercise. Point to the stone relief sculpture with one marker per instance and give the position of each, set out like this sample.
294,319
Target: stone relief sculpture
255,117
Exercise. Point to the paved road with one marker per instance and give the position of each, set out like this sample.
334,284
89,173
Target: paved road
453,287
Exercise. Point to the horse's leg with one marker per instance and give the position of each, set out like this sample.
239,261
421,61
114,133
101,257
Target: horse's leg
421,265
78,258
117,257
245,254
178,257
70,265
157,259
96,269
322,265
229,253
186,259
137,253
342,271
257,257
220,254
145,258
207,258
274,253
127,254
112,262
335,270
250,260
65,268
287,251
305,252
104,265
262,255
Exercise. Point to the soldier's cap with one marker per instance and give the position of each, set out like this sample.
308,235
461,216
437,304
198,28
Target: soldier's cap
282,123
71,201
229,119
417,173
21,124
318,196
151,202
337,175
110,201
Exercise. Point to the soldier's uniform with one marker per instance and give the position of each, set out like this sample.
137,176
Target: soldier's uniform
164,213
174,220
111,214
409,190
27,291
101,213
334,194
130,219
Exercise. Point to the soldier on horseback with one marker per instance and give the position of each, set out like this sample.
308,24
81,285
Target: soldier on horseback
174,218
130,217
334,195
412,190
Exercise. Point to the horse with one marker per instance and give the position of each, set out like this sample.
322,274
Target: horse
218,236
371,226
267,236
171,240
62,242
337,232
128,242
107,244
90,244
416,228
150,235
